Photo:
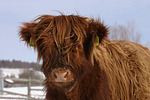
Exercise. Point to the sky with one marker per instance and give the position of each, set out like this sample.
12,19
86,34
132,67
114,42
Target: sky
14,12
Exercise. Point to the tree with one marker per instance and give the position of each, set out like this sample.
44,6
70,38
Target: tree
128,33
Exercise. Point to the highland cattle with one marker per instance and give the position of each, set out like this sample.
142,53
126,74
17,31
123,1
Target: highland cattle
81,63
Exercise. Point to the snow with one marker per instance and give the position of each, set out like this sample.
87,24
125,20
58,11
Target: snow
9,72
15,72
24,90
21,90
9,80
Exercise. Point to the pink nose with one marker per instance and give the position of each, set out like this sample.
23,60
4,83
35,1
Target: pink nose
61,75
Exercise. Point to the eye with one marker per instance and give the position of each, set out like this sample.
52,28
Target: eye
79,46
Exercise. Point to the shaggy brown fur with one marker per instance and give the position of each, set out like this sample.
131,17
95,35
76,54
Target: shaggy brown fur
114,70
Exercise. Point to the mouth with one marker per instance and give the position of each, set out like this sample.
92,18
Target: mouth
63,86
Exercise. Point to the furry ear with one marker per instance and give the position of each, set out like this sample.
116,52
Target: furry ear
27,33
96,32
30,32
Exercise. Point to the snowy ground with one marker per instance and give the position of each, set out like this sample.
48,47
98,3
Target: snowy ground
23,90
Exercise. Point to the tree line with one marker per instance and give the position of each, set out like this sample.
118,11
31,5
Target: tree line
18,64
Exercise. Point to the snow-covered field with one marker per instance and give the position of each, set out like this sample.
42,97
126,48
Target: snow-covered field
37,94
10,71
15,72
24,90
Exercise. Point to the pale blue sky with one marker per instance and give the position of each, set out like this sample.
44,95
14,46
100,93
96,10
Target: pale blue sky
13,12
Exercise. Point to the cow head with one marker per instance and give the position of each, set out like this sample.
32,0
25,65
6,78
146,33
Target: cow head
65,44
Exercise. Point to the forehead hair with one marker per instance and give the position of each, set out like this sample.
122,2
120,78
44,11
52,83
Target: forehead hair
65,30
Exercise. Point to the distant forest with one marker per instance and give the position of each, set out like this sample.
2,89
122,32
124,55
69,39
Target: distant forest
18,64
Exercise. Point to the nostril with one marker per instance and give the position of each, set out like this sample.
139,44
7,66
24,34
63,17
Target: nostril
66,74
55,75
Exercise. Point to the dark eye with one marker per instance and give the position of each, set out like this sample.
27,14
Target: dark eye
79,46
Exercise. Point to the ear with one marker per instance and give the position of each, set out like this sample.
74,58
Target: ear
27,33
30,32
96,32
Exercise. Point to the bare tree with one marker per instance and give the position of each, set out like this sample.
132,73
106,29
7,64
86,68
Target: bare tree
128,33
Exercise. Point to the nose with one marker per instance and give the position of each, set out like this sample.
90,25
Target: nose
61,75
